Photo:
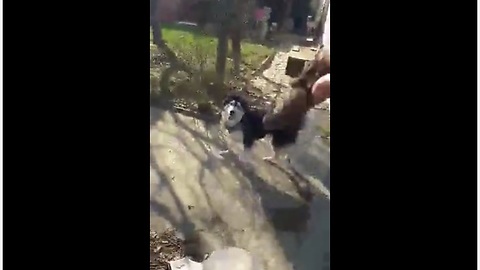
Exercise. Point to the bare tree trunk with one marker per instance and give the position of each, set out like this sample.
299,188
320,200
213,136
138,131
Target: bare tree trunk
240,20
222,48
155,23
236,37
161,46
157,34
286,13
321,23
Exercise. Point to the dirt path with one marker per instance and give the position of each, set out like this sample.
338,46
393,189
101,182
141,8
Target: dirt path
223,203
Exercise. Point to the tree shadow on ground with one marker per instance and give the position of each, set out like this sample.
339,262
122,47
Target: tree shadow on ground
188,230
310,164
312,159
291,219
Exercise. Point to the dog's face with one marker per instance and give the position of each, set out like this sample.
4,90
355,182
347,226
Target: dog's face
233,111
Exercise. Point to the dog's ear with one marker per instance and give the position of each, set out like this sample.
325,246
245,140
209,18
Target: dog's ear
226,101
229,98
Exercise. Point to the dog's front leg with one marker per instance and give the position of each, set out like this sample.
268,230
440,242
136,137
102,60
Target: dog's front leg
246,155
274,156
280,157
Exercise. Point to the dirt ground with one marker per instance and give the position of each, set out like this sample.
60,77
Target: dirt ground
165,247
281,217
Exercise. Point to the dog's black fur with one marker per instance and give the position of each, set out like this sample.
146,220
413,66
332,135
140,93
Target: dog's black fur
284,122
253,128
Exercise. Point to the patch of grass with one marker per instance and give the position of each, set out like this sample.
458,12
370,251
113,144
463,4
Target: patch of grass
198,51
324,131
193,46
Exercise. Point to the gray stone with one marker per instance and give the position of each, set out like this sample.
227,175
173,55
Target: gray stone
232,258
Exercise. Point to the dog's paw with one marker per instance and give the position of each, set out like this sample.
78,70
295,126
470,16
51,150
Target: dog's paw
223,152
269,159
282,162
220,154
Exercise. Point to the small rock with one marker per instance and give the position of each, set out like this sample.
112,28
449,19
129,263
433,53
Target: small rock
180,235
190,207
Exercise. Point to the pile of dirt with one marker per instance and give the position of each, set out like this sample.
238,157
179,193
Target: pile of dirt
165,247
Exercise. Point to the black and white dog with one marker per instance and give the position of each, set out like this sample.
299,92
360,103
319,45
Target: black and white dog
246,125
284,122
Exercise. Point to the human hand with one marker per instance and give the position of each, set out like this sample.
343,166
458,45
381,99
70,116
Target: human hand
321,89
